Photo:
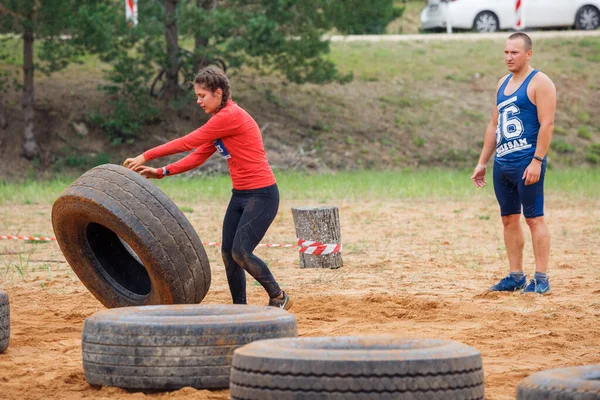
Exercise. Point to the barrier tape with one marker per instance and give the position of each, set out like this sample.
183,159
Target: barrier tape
51,239
304,246
33,238
318,248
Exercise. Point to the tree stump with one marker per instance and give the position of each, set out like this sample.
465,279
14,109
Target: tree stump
319,224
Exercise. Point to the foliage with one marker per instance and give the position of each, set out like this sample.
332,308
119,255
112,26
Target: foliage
282,36
353,17
130,105
63,36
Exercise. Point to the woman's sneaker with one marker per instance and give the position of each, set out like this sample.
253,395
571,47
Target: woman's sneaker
285,303
538,287
509,284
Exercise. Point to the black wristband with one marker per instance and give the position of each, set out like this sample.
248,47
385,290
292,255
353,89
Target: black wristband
540,159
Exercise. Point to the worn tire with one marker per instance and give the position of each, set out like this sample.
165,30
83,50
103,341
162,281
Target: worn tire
128,242
369,367
169,347
574,383
4,321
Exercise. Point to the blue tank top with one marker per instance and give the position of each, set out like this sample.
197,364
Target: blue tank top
518,124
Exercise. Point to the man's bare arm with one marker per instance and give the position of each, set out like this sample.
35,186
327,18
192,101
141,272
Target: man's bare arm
545,96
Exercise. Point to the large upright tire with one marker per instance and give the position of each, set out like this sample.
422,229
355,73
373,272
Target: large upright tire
4,321
169,347
573,383
351,368
128,242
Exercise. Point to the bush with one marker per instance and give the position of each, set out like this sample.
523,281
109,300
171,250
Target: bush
562,147
584,133
130,104
593,158
594,153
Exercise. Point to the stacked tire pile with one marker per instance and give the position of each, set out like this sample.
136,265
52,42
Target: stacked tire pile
137,253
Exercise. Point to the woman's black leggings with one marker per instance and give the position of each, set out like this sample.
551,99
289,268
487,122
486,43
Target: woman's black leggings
248,216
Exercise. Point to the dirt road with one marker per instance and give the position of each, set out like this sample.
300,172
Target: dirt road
459,36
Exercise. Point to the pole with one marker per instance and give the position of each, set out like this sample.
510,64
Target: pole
519,15
131,12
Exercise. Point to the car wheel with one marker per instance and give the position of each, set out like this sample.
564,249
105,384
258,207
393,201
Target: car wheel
588,18
486,21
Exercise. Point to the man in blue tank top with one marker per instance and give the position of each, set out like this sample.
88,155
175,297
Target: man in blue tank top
519,134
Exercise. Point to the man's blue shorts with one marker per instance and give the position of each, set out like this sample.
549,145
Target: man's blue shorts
512,194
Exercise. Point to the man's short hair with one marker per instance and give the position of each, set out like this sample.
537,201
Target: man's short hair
524,37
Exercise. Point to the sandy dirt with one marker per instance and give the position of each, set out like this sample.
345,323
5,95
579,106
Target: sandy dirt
411,269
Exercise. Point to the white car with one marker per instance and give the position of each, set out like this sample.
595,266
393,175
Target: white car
493,15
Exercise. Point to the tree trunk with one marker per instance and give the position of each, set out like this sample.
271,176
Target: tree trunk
3,121
201,41
319,224
173,62
30,147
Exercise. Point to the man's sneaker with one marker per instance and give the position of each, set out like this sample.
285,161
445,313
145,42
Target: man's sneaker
509,284
285,303
537,287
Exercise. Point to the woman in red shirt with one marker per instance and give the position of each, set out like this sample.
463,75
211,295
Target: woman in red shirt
255,197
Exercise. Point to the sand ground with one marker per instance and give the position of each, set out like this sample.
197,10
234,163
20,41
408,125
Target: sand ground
411,269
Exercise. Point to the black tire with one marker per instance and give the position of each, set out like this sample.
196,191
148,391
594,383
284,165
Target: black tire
588,18
486,21
110,204
4,321
371,367
169,347
574,383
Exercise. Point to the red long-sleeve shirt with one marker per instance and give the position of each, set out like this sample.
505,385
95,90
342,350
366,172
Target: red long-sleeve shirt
235,134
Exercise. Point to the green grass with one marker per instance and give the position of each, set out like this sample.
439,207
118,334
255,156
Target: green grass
430,184
457,60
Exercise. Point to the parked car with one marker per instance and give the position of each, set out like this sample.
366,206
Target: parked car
493,15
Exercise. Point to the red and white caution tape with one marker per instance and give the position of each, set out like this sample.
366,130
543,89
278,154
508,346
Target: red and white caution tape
304,246
49,239
318,248
37,239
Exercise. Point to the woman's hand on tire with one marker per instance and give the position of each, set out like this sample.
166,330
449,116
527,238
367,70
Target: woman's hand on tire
148,172
134,163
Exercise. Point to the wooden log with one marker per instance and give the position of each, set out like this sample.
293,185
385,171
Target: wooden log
320,224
